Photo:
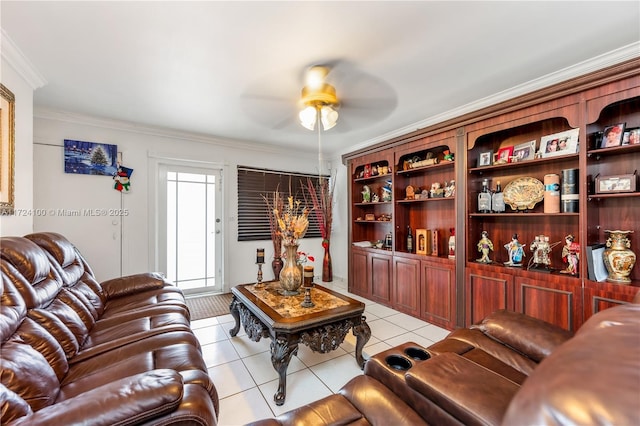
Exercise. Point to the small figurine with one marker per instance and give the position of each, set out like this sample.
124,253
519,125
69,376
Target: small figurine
484,246
411,195
375,198
448,155
366,194
386,191
515,250
450,190
571,255
541,249
436,190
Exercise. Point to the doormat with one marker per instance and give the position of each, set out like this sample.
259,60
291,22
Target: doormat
209,306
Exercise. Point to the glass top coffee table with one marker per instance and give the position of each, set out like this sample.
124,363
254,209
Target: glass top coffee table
264,312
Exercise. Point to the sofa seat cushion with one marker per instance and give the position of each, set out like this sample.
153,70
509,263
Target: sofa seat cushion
466,390
172,350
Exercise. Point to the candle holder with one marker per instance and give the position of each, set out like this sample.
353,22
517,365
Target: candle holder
259,284
308,283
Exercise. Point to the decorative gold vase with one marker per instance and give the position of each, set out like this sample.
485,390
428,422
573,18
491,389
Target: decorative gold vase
618,257
291,273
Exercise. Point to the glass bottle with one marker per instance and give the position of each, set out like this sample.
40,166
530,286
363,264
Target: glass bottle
497,200
409,240
484,198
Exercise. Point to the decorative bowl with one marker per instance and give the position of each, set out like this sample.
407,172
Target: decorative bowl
523,193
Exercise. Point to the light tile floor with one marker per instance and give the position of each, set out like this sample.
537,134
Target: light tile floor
246,380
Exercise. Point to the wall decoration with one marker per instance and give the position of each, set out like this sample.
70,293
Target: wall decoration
7,147
122,178
90,158
562,143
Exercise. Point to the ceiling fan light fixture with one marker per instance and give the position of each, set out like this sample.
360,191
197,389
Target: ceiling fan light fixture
308,117
328,116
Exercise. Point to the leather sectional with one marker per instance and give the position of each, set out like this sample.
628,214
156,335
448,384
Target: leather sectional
510,369
75,351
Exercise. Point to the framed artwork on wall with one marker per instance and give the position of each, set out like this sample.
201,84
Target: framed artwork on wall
90,158
7,151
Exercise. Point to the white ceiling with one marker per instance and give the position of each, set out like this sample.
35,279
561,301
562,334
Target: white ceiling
233,70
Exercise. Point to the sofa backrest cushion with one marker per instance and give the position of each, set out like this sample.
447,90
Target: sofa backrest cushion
83,312
42,341
30,271
13,309
58,330
12,406
591,379
27,373
530,336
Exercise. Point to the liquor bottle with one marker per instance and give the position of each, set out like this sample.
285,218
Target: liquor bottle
497,200
484,198
409,240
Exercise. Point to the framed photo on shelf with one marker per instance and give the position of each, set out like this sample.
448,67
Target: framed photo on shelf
504,155
616,183
634,136
562,143
485,158
612,136
524,151
423,241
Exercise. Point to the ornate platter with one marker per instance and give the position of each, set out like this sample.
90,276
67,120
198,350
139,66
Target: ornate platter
523,193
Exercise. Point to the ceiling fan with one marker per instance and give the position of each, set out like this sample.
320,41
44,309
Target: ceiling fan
327,87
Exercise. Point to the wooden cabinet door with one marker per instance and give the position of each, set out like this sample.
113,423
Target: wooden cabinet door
360,282
406,290
381,277
554,299
486,292
605,295
438,294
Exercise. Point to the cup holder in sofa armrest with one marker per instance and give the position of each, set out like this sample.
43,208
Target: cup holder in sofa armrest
417,353
398,362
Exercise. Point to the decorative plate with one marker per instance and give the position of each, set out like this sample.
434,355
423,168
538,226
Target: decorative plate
523,193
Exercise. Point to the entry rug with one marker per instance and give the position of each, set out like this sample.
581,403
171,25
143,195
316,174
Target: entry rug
209,306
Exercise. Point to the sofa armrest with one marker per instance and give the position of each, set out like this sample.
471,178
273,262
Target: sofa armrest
127,401
530,336
131,284
469,392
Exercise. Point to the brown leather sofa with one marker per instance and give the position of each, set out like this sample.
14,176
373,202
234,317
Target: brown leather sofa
75,351
510,369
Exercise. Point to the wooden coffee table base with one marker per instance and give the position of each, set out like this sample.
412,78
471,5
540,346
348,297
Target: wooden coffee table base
322,335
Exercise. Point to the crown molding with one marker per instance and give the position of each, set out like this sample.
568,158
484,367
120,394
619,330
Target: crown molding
19,62
614,57
156,131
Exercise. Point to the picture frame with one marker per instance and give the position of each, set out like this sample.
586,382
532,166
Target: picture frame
524,151
422,241
557,144
90,158
485,158
616,183
634,136
7,151
504,155
612,136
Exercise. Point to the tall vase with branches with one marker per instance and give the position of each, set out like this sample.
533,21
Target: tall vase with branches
275,202
322,201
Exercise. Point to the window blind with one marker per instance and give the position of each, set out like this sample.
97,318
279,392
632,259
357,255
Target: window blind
253,183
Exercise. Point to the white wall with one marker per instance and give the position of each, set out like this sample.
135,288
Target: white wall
22,222
99,238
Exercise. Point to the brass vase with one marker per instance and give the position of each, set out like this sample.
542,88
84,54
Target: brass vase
618,257
291,273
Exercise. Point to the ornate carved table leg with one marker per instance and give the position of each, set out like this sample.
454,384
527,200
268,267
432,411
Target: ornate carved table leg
282,348
233,308
362,333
